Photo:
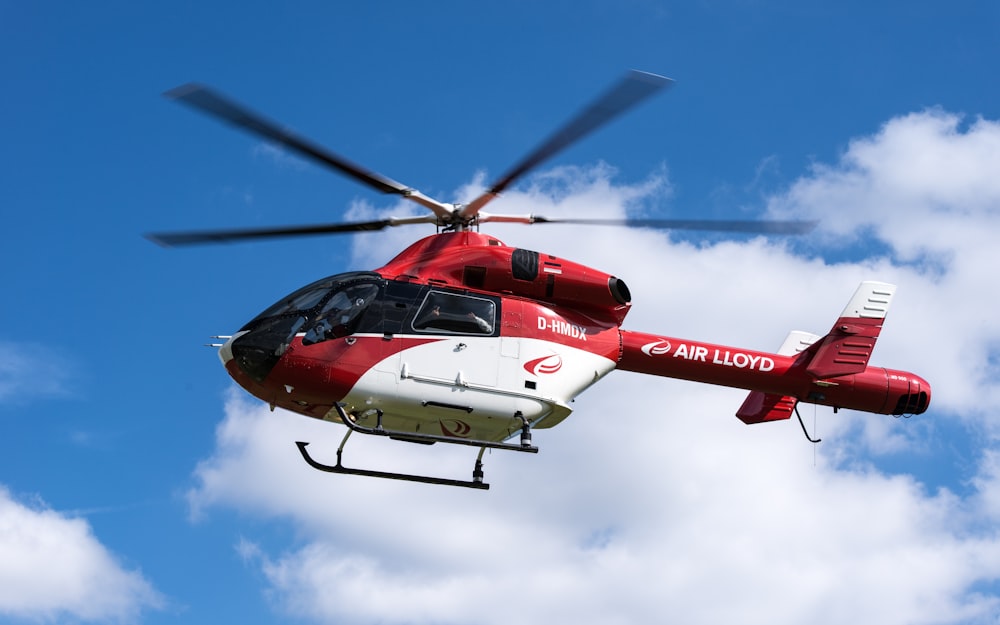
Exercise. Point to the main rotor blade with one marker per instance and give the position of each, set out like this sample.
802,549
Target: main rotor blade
174,239
208,101
632,89
707,225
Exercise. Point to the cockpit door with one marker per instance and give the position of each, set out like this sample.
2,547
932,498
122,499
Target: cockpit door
463,334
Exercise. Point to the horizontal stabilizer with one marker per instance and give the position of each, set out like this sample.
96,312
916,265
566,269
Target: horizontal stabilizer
848,346
761,407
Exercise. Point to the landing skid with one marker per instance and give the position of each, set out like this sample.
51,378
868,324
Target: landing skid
477,472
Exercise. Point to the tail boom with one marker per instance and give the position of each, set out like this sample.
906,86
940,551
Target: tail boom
785,377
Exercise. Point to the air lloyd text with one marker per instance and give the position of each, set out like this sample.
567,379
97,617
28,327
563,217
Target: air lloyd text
724,357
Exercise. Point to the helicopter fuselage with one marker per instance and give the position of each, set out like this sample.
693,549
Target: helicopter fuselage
462,336
429,349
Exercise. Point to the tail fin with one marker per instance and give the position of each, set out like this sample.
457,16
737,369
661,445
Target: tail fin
848,346
845,350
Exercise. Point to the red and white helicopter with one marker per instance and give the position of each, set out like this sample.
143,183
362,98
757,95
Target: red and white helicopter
462,339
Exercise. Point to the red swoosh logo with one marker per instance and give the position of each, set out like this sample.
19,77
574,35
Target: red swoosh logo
544,365
454,427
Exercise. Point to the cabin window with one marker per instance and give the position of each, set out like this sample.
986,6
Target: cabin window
453,313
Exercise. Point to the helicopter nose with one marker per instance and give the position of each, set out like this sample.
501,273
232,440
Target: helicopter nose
256,353
226,350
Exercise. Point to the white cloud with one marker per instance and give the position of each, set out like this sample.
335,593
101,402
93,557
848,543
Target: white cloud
688,515
278,155
29,371
652,503
53,568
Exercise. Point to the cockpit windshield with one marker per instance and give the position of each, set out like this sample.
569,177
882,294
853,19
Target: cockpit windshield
328,308
340,312
325,309
360,303
309,296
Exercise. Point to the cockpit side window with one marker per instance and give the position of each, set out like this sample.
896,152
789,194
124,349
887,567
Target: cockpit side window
455,314
339,315
304,300
298,301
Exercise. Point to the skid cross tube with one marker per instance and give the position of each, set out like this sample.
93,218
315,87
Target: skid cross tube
477,473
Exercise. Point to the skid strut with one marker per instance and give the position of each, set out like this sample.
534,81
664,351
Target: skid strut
477,473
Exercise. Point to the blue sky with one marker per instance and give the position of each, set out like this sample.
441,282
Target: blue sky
137,485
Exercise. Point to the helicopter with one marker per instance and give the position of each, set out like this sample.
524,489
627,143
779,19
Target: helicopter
462,339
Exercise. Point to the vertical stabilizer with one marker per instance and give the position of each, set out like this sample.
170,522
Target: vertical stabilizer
848,346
